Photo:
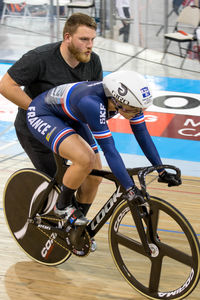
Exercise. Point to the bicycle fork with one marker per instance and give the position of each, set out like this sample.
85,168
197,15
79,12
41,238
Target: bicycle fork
139,215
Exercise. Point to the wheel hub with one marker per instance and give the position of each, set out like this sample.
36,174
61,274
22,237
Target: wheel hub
154,250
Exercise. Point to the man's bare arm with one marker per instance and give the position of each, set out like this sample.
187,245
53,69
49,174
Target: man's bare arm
13,92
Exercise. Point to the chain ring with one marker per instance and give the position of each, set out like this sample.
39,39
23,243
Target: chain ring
81,248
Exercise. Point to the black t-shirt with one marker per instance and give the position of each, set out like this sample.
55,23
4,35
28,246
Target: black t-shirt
43,68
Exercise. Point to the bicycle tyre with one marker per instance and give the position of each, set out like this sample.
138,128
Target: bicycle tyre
22,192
133,263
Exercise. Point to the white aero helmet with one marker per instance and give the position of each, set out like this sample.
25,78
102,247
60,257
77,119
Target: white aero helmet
128,87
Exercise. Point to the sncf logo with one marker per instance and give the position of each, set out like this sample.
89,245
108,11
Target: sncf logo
145,92
122,91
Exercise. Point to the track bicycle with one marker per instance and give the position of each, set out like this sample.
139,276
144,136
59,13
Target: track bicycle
152,244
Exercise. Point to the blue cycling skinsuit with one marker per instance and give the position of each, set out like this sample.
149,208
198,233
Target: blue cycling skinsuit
82,108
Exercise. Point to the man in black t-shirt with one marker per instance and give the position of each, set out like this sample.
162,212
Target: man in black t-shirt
1,7
48,66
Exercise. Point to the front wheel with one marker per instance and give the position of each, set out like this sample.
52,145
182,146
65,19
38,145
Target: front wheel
22,194
173,270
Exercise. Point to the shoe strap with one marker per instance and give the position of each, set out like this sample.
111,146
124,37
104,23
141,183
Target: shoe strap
77,213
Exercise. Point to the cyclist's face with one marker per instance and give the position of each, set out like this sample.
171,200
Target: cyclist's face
127,111
81,43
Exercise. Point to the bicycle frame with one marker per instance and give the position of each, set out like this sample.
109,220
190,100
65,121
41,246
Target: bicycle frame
118,196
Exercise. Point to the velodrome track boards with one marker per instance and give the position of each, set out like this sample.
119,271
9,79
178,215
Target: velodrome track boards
175,131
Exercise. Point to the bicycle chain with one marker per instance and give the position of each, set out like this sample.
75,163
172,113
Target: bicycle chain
54,240
51,218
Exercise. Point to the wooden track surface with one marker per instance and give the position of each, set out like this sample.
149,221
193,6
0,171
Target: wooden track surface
94,277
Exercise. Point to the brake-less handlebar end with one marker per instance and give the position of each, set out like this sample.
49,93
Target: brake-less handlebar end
145,171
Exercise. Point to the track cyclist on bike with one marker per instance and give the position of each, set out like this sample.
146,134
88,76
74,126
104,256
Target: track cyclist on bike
64,117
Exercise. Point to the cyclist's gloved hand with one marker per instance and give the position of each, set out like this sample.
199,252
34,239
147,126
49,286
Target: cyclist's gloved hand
133,193
169,178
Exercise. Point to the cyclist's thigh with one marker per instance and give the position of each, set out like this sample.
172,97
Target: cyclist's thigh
84,131
98,164
51,130
76,149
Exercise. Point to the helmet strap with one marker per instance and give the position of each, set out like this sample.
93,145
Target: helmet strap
115,103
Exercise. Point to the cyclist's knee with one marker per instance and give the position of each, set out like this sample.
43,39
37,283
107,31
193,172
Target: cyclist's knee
87,161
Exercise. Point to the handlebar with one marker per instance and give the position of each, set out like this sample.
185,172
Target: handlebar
142,173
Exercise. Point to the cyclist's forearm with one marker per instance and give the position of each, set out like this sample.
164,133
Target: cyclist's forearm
116,163
146,143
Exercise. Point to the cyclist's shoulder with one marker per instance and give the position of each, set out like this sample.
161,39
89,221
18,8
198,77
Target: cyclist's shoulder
92,91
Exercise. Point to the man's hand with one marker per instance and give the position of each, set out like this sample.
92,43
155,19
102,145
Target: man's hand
169,178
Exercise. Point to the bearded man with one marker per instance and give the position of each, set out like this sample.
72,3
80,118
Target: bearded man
45,67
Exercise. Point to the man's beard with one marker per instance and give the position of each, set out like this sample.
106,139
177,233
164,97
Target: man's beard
80,56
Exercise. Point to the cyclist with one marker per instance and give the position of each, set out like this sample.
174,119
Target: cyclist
57,118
